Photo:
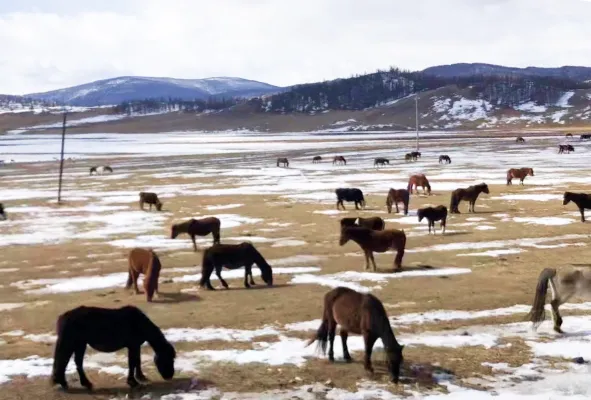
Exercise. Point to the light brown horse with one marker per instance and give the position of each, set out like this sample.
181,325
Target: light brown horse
379,241
146,262
419,180
396,196
470,194
519,173
563,286
339,160
198,227
359,314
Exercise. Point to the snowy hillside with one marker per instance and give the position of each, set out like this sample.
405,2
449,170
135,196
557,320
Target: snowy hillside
117,90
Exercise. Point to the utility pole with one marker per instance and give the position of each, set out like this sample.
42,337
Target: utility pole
417,119
59,190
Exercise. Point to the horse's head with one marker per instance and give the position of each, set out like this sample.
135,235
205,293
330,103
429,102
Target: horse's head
159,206
267,275
567,198
164,360
344,236
394,362
421,214
485,188
174,232
530,172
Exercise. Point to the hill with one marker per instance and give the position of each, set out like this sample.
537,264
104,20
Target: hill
465,69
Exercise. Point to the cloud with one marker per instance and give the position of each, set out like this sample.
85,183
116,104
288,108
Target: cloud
282,42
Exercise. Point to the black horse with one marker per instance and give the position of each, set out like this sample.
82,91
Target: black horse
582,200
380,161
444,158
350,194
433,214
108,330
2,212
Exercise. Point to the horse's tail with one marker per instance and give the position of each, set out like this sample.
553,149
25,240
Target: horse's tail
453,204
60,362
537,313
152,274
389,202
207,267
409,187
509,176
321,335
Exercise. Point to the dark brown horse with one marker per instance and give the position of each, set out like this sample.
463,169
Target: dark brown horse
565,148
469,194
198,227
378,241
396,196
108,330
380,161
359,314
444,158
151,199
316,159
233,256
2,212
284,161
415,154
339,160
146,262
582,200
419,180
375,223
519,140
519,173
433,214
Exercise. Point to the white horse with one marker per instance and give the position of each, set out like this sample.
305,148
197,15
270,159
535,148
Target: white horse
100,170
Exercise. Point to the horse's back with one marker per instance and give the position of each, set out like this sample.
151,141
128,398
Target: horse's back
140,259
86,322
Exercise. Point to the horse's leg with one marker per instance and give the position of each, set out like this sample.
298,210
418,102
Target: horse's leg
373,261
356,205
78,359
129,280
396,202
194,243
443,223
582,210
133,359
134,276
369,340
250,273
344,336
246,273
332,328
218,272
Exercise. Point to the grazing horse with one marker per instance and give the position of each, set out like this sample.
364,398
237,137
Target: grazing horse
378,241
469,194
99,170
198,227
582,200
151,199
2,212
284,161
565,148
360,314
563,286
233,256
520,173
519,140
380,161
375,223
396,196
108,330
444,158
339,160
419,180
316,159
433,214
144,261
350,194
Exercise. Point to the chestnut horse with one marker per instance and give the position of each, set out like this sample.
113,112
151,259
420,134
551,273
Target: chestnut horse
108,330
284,161
198,227
375,223
419,180
360,314
469,194
378,241
146,262
316,159
396,196
339,160
520,173
582,200
433,214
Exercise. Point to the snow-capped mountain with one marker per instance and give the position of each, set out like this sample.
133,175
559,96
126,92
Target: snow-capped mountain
117,90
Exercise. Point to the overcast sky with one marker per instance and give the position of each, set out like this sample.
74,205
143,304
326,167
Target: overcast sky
47,45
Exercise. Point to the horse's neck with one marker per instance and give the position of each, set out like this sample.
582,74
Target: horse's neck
154,335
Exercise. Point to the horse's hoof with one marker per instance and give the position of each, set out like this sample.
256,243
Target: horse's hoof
133,383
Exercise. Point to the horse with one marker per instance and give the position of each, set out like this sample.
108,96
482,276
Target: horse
108,330
375,223
144,261
339,160
519,140
3,212
469,194
151,199
198,227
380,161
419,180
408,157
350,194
585,137
582,200
444,158
415,155
233,256
433,214
520,173
316,159
396,196
563,286
360,314
284,161
99,170
569,135
565,148
378,241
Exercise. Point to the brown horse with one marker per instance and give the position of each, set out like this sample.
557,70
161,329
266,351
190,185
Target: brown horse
419,180
146,262
284,161
375,223
359,314
469,194
198,227
378,241
316,159
582,200
396,196
339,160
519,140
233,256
433,214
444,158
520,173
151,199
